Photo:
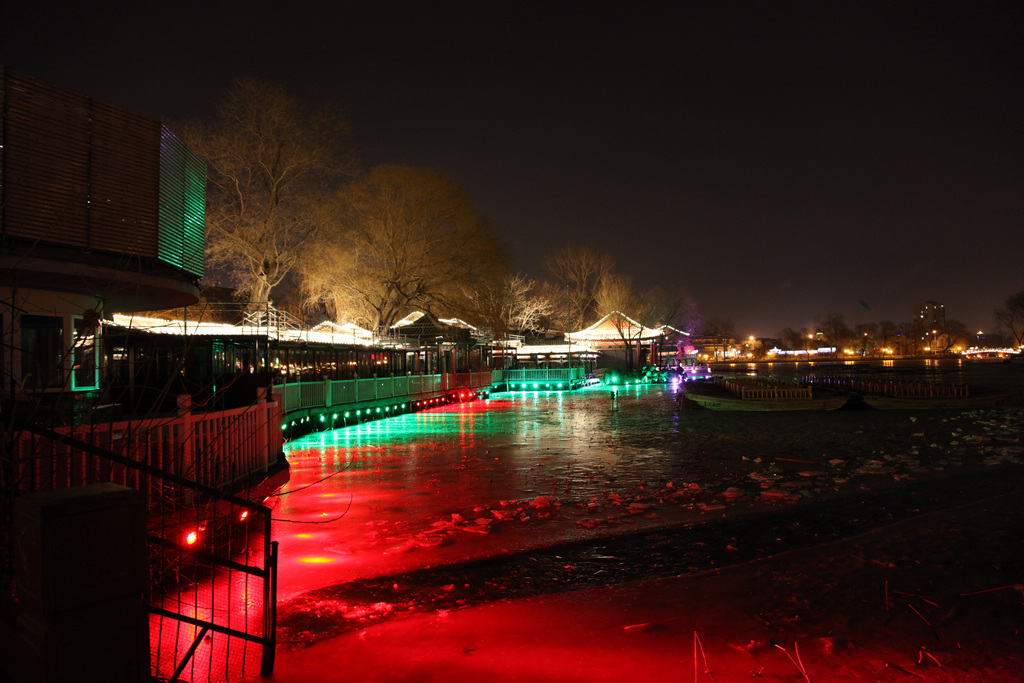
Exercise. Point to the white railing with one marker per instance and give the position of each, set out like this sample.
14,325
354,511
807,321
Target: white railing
543,375
328,393
215,449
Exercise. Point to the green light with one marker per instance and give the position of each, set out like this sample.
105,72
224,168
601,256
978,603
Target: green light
181,237
346,415
283,427
323,418
334,417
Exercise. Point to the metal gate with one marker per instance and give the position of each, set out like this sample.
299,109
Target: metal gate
212,562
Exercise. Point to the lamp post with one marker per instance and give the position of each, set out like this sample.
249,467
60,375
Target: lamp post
568,328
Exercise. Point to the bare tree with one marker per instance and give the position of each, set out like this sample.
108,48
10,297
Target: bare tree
687,316
511,305
887,333
615,293
865,335
951,335
270,162
833,328
1011,317
402,238
907,339
642,311
793,340
577,271
719,328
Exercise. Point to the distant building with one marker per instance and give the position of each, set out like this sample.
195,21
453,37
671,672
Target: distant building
930,314
716,348
929,320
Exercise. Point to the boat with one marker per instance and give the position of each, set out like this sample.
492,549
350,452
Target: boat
977,398
887,394
759,396
696,372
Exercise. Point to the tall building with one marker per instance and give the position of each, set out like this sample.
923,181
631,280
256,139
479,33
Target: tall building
929,318
930,314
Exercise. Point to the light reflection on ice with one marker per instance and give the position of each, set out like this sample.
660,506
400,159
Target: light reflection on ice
404,477
406,491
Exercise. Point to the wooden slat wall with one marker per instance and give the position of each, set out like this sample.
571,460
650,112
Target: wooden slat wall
46,164
77,172
125,182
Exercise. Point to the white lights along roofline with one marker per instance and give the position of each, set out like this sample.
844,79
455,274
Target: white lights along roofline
355,335
595,333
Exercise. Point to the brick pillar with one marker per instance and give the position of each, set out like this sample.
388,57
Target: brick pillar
80,571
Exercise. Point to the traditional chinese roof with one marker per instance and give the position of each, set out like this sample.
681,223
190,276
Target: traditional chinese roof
422,325
616,325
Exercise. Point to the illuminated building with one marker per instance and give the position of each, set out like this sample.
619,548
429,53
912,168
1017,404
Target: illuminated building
929,319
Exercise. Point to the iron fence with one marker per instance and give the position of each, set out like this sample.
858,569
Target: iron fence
212,561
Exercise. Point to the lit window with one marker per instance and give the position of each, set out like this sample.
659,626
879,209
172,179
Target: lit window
84,371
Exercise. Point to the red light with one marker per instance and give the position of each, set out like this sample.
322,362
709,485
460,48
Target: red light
191,538
245,515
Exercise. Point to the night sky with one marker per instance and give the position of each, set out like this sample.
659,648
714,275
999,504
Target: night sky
777,161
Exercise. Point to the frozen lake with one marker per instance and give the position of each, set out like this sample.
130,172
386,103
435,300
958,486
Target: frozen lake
521,471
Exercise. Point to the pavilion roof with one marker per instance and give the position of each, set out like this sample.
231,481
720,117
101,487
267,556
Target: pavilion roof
617,325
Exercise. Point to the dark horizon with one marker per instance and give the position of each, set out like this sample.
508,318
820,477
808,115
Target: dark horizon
778,163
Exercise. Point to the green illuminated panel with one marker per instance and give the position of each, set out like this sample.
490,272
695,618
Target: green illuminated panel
182,234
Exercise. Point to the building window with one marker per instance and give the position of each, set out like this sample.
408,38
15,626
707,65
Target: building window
84,369
42,342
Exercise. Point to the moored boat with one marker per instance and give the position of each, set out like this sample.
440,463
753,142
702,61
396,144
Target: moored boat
759,396
979,398
900,395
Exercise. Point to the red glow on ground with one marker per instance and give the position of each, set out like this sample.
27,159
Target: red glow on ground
232,602
553,467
